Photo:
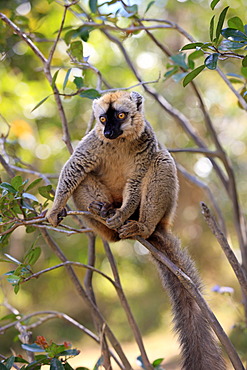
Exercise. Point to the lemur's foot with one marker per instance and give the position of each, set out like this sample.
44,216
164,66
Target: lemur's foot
133,228
102,209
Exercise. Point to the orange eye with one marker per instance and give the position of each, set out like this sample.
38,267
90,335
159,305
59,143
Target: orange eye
102,119
121,115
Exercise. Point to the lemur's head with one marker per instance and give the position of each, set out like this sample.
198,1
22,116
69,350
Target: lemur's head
119,114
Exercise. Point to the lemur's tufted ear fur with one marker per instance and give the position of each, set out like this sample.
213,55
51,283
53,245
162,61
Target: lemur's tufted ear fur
138,99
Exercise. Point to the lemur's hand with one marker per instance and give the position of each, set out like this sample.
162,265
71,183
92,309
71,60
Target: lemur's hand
55,216
116,220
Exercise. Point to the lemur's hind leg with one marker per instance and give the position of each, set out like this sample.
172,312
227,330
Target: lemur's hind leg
158,198
93,196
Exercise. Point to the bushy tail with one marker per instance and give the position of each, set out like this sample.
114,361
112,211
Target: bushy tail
199,348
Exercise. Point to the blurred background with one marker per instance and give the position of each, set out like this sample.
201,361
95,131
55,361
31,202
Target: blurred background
35,137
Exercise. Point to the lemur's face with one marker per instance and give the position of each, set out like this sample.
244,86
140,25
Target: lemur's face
119,114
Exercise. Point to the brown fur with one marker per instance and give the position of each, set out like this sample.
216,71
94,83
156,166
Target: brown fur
130,186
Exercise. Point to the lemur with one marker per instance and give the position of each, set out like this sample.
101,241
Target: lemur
128,182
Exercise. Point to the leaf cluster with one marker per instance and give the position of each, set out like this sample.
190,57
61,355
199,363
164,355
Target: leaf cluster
18,204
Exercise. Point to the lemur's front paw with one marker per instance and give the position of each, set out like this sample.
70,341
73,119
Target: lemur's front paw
56,216
115,221
102,209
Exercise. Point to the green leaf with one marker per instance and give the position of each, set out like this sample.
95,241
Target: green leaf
45,191
179,60
132,9
10,316
30,196
40,103
211,28
93,5
33,184
230,45
234,35
214,3
9,362
221,22
78,81
53,82
90,94
56,364
192,45
8,187
21,360
157,362
33,256
237,23
149,6
76,49
3,367
66,78
16,288
16,182
32,347
30,229
69,352
13,279
83,32
244,61
190,76
244,72
211,61
67,366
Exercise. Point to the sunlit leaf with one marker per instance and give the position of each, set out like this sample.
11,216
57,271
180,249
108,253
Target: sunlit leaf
3,367
54,78
30,196
78,81
192,45
93,5
157,362
76,49
244,61
211,61
40,103
66,78
237,23
9,362
211,28
32,347
33,184
131,9
149,6
8,187
33,256
234,35
16,182
179,60
214,3
90,94
221,22
56,364
45,191
190,76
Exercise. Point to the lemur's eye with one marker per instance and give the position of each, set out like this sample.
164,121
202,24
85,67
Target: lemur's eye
102,119
121,115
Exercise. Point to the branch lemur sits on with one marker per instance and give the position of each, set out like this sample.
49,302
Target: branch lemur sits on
120,173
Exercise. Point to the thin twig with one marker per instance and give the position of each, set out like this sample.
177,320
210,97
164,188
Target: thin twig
126,307
83,294
236,266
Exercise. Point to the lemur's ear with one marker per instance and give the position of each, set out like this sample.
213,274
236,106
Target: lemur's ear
138,99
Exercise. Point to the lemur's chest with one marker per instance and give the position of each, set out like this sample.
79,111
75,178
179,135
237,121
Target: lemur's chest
114,170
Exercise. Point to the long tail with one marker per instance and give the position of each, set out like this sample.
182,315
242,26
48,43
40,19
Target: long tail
200,350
